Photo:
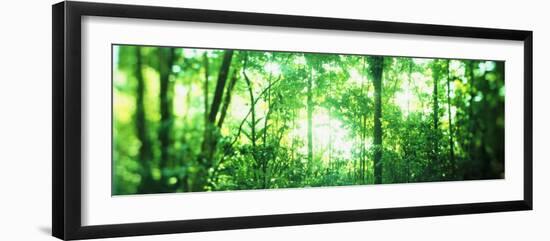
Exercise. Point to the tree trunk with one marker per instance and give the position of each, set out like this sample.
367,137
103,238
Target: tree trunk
330,146
486,135
166,57
145,154
451,133
252,106
471,118
377,66
435,136
310,116
210,141
205,93
265,158
260,177
408,153
268,101
220,86
227,98
364,149
363,128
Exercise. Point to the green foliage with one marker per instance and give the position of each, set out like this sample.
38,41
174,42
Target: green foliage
187,120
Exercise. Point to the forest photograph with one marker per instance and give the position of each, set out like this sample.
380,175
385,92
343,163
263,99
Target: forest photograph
188,119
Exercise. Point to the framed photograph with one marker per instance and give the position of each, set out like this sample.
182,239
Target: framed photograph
170,120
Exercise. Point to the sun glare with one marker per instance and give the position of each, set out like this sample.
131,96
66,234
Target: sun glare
404,99
179,106
272,68
325,130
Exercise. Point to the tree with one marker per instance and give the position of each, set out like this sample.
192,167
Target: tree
377,65
472,117
363,127
310,115
210,141
165,69
408,152
253,121
435,112
451,133
227,98
205,64
145,155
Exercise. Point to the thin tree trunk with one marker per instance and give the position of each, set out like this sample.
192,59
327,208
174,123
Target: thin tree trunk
451,133
486,117
205,89
293,138
364,149
310,115
268,100
330,146
261,165
166,57
377,67
252,106
265,159
408,121
363,128
435,111
471,118
206,135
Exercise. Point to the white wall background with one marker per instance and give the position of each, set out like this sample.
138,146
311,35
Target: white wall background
25,119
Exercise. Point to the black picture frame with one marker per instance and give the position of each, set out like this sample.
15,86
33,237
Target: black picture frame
66,128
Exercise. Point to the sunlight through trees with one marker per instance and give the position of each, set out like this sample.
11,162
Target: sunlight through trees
188,120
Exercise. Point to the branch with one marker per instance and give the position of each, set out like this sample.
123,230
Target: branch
250,111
